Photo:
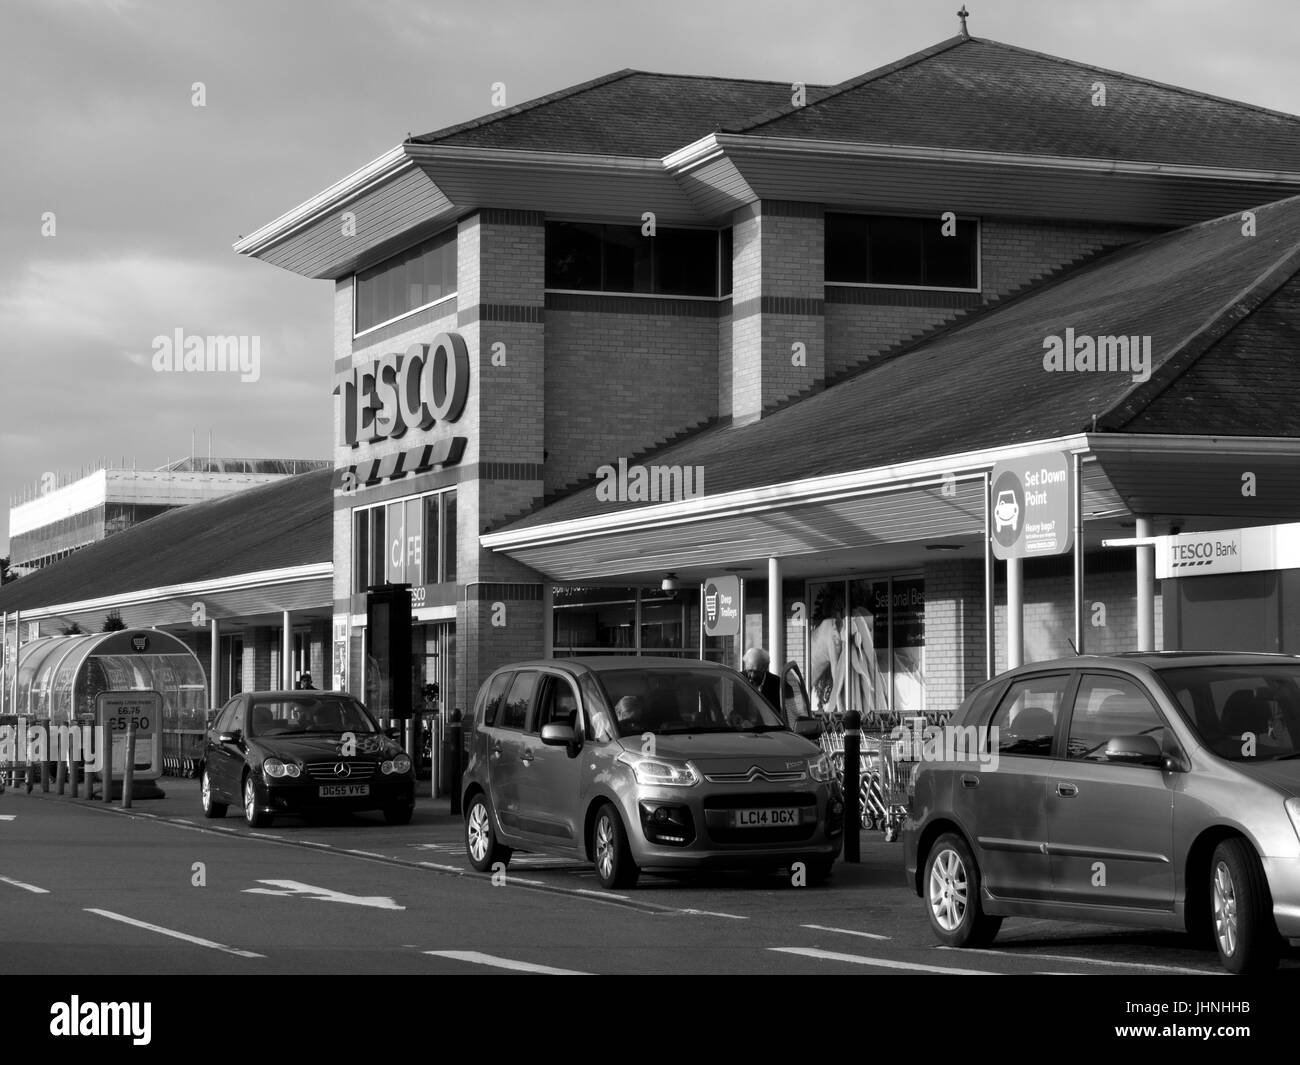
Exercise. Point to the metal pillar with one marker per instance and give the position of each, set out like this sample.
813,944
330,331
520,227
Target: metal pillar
1146,588
286,650
775,618
1015,613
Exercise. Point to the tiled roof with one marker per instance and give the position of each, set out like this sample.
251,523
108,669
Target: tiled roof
629,113
980,95
284,523
1222,310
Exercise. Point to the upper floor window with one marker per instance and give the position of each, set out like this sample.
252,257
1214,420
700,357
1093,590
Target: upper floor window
906,252
412,279
593,257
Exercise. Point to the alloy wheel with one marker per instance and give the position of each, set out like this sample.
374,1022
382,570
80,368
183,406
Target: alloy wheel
207,791
1225,910
250,799
479,832
605,847
948,883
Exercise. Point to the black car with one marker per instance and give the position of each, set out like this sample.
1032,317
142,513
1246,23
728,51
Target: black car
303,752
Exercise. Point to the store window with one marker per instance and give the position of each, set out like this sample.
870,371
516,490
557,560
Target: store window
408,281
405,542
866,645
618,620
901,252
592,257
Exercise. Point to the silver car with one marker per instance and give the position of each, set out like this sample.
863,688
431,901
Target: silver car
1154,789
658,764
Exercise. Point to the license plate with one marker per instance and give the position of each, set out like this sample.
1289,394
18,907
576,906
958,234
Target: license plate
335,791
769,818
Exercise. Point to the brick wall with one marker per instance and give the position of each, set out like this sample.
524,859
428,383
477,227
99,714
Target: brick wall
1014,253
954,632
777,297
618,383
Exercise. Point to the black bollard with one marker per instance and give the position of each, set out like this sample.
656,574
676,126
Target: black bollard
456,736
852,789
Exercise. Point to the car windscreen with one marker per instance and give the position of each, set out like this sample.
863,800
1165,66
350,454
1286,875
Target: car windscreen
305,714
1244,713
688,699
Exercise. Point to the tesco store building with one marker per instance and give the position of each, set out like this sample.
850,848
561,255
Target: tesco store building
652,332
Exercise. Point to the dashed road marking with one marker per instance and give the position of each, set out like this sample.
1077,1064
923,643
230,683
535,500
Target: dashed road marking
26,887
712,913
475,957
1085,961
843,931
174,934
882,963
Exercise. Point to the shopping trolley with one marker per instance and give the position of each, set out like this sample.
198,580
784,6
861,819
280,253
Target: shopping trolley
899,758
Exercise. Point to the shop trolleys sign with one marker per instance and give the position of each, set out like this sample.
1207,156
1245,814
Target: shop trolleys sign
116,712
722,606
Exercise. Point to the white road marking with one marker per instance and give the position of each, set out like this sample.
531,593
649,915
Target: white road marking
883,963
475,957
442,868
713,913
7,817
174,934
26,887
310,843
265,835
1083,961
178,820
843,931
368,854
320,894
600,894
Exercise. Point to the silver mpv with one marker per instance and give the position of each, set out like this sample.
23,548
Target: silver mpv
639,763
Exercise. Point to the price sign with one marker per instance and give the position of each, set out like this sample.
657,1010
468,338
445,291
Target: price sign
117,710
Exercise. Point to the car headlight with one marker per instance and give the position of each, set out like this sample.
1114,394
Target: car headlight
661,773
275,768
1293,811
819,768
400,764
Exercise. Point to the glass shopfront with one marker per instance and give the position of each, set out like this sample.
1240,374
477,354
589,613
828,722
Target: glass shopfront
625,620
866,645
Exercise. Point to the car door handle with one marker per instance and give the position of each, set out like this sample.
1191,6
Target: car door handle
527,756
496,750
1066,790
970,780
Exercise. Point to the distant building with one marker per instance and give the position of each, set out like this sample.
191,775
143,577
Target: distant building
59,516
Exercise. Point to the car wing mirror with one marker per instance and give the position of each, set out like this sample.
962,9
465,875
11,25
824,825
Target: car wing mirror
233,736
1135,750
557,735
809,727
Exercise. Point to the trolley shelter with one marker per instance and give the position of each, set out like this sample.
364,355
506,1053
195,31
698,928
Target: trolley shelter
59,679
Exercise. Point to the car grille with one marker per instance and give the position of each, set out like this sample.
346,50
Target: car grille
324,772
755,773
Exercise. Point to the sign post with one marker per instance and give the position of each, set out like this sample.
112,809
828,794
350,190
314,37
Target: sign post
1031,513
118,713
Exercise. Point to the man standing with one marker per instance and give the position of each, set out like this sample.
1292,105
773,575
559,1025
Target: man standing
756,662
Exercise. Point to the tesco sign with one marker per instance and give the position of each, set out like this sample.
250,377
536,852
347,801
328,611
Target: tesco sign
397,392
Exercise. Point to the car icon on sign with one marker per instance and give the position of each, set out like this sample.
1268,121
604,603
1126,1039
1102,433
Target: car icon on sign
1006,512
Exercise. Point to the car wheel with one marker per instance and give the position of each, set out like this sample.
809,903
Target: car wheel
481,843
398,815
254,817
1242,910
211,808
614,865
952,890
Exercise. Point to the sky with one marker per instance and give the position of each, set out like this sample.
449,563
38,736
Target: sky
120,198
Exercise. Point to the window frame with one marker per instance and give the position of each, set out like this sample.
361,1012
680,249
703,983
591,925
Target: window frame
719,272
1168,741
1064,711
979,257
453,230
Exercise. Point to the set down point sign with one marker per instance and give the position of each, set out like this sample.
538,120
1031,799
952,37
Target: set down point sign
1033,503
